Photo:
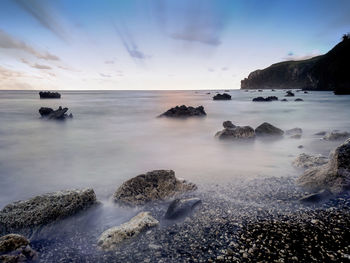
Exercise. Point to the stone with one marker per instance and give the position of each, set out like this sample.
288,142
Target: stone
12,242
59,114
289,94
306,161
333,176
267,129
284,100
238,132
16,248
113,237
181,207
44,111
336,135
223,96
184,111
322,133
157,185
262,99
43,209
298,99
49,95
228,124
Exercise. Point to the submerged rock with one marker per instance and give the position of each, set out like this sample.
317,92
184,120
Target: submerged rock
223,96
113,237
316,197
322,133
267,129
306,161
49,95
184,111
298,99
336,135
284,100
153,186
43,209
334,175
181,207
237,132
15,248
228,124
289,94
59,114
294,131
262,99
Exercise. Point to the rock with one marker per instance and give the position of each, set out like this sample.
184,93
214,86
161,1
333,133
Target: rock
294,131
262,99
184,111
306,161
260,90
153,186
238,132
228,124
181,207
295,136
43,209
298,99
321,133
336,135
45,111
334,175
113,237
289,94
316,197
306,92
49,95
59,114
11,242
266,129
223,96
16,248
284,100
300,146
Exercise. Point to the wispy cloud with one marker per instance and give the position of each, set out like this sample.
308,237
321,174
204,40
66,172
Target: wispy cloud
292,56
8,73
36,65
105,75
109,62
9,42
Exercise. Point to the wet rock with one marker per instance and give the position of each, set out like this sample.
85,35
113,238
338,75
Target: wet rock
336,135
306,92
262,99
59,114
44,111
289,94
300,146
184,111
43,209
322,133
153,186
228,124
267,129
223,96
284,100
306,161
181,207
238,132
11,242
113,237
298,99
49,95
16,248
334,175
316,197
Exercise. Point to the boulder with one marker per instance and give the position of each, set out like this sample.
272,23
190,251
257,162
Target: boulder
184,111
298,99
153,186
262,99
228,124
306,161
43,209
336,135
238,132
334,175
49,95
316,197
44,111
223,96
11,242
181,207
266,129
113,237
289,94
294,131
284,100
306,92
59,114
16,248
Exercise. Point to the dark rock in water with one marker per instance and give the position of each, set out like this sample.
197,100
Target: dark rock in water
336,135
316,197
44,111
289,94
260,90
272,90
43,209
266,129
223,96
298,99
49,95
306,92
262,99
156,185
228,124
300,146
334,175
15,248
181,207
184,111
208,93
294,131
284,100
238,132
321,133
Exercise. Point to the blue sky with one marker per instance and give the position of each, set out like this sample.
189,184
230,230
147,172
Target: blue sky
159,44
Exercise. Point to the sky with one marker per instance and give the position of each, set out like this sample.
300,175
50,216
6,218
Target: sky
158,44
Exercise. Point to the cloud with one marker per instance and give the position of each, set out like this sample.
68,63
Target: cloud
41,11
224,68
8,73
36,65
292,56
105,75
8,42
109,62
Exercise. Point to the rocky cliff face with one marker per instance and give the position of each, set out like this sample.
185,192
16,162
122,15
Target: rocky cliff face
326,72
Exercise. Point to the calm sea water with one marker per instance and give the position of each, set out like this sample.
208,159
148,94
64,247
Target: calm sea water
115,135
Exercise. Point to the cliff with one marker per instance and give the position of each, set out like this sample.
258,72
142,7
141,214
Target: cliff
330,71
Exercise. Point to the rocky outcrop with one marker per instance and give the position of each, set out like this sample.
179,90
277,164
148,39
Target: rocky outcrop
307,161
113,237
181,207
153,186
336,135
184,111
223,96
231,131
325,72
228,124
334,175
49,95
43,209
59,114
267,99
16,248
267,129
